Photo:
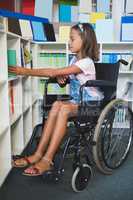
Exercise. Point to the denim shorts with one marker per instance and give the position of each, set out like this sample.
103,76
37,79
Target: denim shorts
74,93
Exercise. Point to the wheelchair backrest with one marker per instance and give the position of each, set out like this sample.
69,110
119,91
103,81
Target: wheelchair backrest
109,72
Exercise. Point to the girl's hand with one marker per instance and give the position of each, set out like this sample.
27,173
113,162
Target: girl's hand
17,70
62,79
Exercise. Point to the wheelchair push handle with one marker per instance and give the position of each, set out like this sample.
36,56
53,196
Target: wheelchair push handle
124,62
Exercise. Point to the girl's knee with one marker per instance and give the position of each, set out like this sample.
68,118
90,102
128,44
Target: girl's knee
56,105
65,110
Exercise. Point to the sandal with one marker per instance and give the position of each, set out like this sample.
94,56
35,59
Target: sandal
35,171
25,161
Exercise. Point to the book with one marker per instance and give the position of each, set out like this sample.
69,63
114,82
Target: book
64,32
11,97
38,31
64,13
1,23
69,2
11,60
74,14
102,25
103,6
94,16
49,31
14,26
44,9
28,7
126,28
85,6
129,6
84,18
26,30
27,56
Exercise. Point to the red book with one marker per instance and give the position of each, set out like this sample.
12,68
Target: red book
28,7
8,4
11,97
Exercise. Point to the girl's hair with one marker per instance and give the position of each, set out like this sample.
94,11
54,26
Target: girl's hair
90,46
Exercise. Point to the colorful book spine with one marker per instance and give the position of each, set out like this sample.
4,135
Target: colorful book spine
11,60
11,97
28,7
64,13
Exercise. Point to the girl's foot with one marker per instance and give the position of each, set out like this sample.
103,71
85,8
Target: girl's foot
39,168
28,160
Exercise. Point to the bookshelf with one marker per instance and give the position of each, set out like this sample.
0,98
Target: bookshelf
19,100
5,144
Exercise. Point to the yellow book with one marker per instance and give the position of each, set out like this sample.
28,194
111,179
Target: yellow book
64,32
94,16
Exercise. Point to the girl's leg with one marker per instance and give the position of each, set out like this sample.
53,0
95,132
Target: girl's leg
46,134
67,109
49,127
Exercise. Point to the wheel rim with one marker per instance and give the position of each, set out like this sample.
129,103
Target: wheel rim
116,140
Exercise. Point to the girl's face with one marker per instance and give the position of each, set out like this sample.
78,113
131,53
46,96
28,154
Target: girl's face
75,43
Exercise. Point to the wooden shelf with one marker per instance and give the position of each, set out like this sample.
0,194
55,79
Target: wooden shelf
126,72
11,35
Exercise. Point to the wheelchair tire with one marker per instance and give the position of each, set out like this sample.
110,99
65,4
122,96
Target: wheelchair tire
108,155
81,177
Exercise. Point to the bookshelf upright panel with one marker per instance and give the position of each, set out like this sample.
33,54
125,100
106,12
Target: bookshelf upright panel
5,141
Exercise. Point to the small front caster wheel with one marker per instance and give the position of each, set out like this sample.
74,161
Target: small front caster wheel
81,177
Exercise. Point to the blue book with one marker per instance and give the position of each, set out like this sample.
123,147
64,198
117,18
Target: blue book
113,58
64,13
105,58
38,31
126,28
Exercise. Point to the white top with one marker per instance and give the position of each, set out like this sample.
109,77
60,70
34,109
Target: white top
88,73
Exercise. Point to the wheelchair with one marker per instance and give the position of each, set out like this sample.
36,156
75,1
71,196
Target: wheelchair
102,135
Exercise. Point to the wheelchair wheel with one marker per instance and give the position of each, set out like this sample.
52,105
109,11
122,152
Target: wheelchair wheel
81,177
113,136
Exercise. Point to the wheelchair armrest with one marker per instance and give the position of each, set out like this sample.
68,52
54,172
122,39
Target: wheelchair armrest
64,97
54,80
99,83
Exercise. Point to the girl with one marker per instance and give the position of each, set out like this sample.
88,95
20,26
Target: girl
83,43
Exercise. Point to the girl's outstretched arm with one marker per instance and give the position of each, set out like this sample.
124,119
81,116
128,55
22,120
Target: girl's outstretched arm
46,72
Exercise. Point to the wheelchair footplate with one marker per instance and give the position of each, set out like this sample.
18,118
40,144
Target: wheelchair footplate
53,175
